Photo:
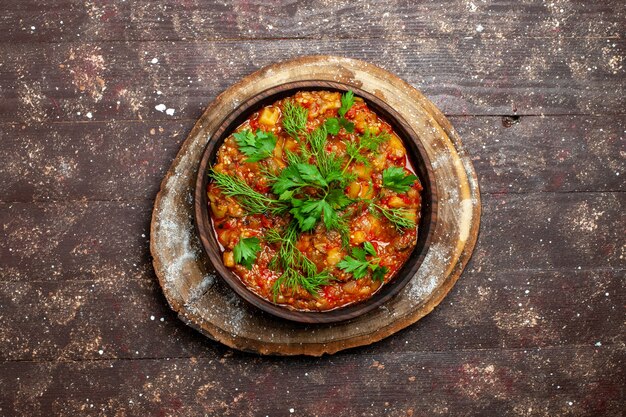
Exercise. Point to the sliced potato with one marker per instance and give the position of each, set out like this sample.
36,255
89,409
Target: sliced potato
269,116
396,202
278,149
396,148
362,171
334,256
219,210
367,191
358,237
354,189
229,259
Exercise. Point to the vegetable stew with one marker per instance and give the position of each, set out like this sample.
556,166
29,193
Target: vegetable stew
314,201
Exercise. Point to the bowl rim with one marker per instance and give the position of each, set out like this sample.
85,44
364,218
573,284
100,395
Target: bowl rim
419,159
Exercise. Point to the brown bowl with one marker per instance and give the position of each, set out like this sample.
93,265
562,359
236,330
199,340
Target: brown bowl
416,153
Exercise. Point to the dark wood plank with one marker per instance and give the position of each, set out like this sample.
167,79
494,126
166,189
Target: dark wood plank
94,161
533,327
126,160
89,320
64,20
563,154
90,240
117,318
571,381
548,231
76,240
116,80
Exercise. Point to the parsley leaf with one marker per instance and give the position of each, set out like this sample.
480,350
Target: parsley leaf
310,211
289,179
358,265
396,179
369,248
372,142
379,273
245,251
346,124
256,146
332,125
337,199
311,173
307,212
347,100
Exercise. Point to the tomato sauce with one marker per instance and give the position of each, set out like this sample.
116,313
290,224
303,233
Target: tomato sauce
392,245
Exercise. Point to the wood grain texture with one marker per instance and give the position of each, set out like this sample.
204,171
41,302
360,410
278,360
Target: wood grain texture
56,161
503,382
188,280
128,318
122,80
561,60
171,20
584,231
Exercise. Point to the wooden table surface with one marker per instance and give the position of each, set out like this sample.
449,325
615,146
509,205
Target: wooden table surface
97,96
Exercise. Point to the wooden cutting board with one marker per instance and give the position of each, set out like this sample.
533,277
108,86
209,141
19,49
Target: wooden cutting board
206,303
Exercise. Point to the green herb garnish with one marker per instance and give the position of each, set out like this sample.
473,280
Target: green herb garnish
400,218
367,142
314,192
396,179
358,264
312,189
298,270
294,119
334,124
347,100
251,200
245,251
256,146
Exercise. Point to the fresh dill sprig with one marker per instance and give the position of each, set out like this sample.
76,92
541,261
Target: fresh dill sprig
400,218
251,200
294,119
298,270
317,139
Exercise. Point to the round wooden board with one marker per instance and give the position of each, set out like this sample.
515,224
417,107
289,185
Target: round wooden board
206,303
